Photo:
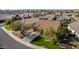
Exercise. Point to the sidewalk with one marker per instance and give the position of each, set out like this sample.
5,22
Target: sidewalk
21,41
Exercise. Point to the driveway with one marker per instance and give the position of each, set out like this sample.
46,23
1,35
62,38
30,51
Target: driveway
9,43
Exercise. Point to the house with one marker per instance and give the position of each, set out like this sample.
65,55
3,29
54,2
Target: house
29,15
47,17
40,26
30,20
44,24
74,27
16,17
4,16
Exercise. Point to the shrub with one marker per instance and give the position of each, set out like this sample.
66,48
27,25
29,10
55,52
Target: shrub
8,21
8,27
16,25
49,35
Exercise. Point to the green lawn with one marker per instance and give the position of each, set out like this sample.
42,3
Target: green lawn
40,42
8,27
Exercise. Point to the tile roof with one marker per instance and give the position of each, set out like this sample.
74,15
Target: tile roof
43,24
30,20
3,16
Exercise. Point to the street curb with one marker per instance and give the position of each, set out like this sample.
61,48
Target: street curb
20,40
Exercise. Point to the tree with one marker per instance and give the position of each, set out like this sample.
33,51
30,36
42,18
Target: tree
49,35
63,34
8,21
77,15
64,23
26,27
16,17
16,25
55,17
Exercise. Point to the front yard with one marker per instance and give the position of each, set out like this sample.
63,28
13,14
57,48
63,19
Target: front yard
8,27
40,42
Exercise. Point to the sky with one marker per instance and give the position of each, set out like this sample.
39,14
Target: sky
39,4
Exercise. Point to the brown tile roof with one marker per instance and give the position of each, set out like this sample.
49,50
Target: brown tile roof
30,14
43,24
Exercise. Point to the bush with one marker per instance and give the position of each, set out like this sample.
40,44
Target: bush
16,17
16,25
49,35
8,27
8,21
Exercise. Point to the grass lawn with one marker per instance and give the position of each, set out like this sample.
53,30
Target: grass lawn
40,42
8,27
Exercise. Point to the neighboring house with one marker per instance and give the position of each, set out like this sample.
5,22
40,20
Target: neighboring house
43,18
29,15
16,17
44,24
4,16
74,27
30,20
47,17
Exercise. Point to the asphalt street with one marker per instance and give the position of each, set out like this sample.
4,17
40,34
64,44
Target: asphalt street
7,42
